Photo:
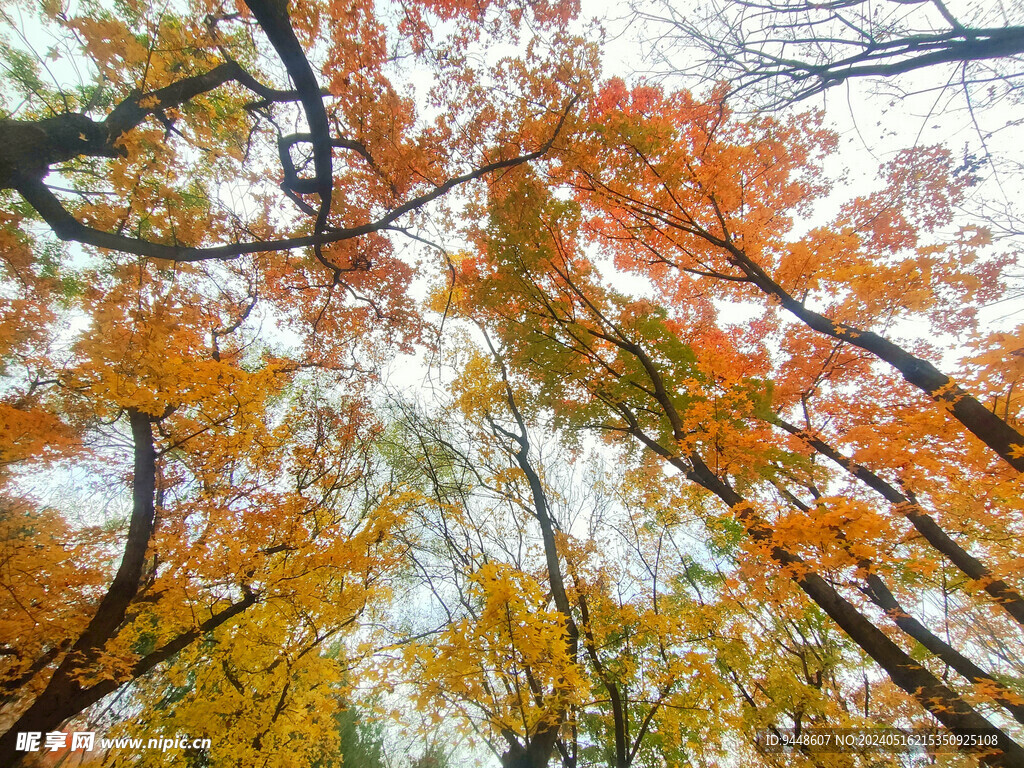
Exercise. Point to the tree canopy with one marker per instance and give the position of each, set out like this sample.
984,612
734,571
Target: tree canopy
703,450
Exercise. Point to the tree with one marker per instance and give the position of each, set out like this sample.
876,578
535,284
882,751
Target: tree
229,261
731,224
505,657
180,87
680,656
190,572
705,398
954,67
777,53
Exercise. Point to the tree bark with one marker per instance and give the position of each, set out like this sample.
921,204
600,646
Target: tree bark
979,421
64,696
1003,595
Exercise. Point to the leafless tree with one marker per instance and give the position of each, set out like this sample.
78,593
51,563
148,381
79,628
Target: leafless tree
964,60
776,52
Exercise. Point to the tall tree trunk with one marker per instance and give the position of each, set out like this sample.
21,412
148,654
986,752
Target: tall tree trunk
64,696
996,433
938,699
541,744
1001,592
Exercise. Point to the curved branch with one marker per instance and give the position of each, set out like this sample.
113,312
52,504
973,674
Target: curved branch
28,148
272,16
68,228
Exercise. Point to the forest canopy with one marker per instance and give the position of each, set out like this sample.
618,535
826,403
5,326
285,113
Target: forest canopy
415,385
